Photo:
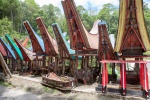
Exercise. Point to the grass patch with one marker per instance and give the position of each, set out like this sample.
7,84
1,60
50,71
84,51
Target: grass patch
3,83
48,90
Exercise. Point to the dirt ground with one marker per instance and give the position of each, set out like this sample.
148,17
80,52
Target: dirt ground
21,89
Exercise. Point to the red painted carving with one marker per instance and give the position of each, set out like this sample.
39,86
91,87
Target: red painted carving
132,44
105,50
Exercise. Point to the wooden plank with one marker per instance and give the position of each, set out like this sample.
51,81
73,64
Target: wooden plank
4,65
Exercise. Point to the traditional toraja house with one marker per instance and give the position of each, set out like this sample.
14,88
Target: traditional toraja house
37,42
106,51
132,41
37,45
65,52
15,48
83,42
18,54
9,53
80,38
50,44
28,56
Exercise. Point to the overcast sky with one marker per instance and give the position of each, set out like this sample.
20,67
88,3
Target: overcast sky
95,4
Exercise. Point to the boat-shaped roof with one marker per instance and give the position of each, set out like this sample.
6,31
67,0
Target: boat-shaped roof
62,42
27,54
51,47
36,40
16,50
105,50
2,50
139,26
7,48
80,38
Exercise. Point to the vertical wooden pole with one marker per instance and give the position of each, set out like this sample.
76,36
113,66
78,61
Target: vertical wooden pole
43,64
137,67
37,64
4,65
104,77
113,71
49,61
144,79
20,65
63,67
91,61
56,65
123,79
76,59
73,67
10,63
82,65
86,62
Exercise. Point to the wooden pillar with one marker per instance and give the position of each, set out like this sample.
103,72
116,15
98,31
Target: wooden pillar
91,61
15,64
4,66
10,63
123,78
56,64
104,77
86,62
63,67
73,67
113,69
76,60
82,62
144,79
26,64
137,66
49,61
44,62
37,64
96,61
19,64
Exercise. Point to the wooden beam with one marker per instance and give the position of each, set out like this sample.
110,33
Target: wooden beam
4,65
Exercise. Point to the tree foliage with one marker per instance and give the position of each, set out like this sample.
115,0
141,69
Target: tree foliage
14,12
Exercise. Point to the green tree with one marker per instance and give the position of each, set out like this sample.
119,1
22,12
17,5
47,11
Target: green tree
9,9
147,17
86,16
108,13
6,28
